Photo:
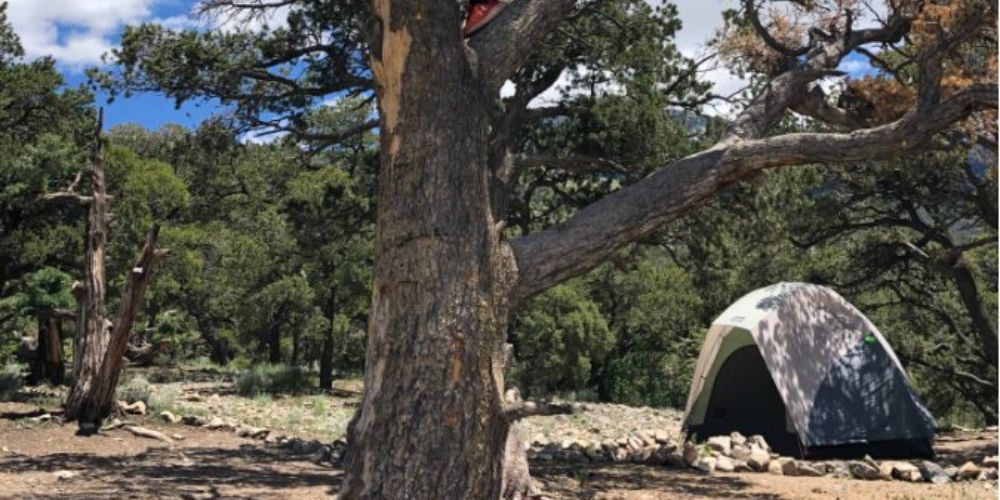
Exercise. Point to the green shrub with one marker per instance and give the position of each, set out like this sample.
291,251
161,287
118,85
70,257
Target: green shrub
11,380
162,398
273,379
136,389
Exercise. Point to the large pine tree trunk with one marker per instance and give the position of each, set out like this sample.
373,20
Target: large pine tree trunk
431,424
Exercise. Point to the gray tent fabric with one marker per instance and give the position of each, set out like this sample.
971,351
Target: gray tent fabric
838,379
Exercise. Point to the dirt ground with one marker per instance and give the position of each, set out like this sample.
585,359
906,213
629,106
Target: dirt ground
215,464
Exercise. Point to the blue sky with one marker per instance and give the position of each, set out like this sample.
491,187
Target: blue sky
78,32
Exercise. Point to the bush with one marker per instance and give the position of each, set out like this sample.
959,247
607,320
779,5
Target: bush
136,389
273,379
162,398
11,380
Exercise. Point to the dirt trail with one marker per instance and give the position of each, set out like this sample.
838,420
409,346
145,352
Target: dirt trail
217,464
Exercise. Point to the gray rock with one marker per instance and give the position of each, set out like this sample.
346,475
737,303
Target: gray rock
648,437
987,474
194,420
169,417
804,468
906,471
863,470
837,468
758,459
740,452
774,467
724,464
741,466
705,464
641,456
759,440
662,436
737,439
721,444
787,465
933,472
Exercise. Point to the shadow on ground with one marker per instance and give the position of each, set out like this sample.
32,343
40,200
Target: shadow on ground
179,473
583,481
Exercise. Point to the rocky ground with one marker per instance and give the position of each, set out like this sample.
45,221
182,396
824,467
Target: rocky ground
201,440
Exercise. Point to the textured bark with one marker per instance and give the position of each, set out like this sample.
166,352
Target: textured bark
91,339
91,401
99,356
431,423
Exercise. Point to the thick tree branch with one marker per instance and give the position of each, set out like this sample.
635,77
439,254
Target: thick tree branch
504,45
596,231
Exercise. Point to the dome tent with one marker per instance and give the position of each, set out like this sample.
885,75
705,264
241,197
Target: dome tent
801,366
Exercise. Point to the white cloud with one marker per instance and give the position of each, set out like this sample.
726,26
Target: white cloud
75,32
78,32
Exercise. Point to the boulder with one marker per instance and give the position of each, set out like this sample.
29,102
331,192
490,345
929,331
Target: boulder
724,464
804,468
906,471
933,472
690,453
758,459
774,467
741,466
136,408
217,423
634,443
968,470
721,444
758,440
641,456
740,452
885,471
863,470
647,437
251,432
837,468
990,462
987,474
737,439
661,436
787,465
619,455
194,420
169,417
705,464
